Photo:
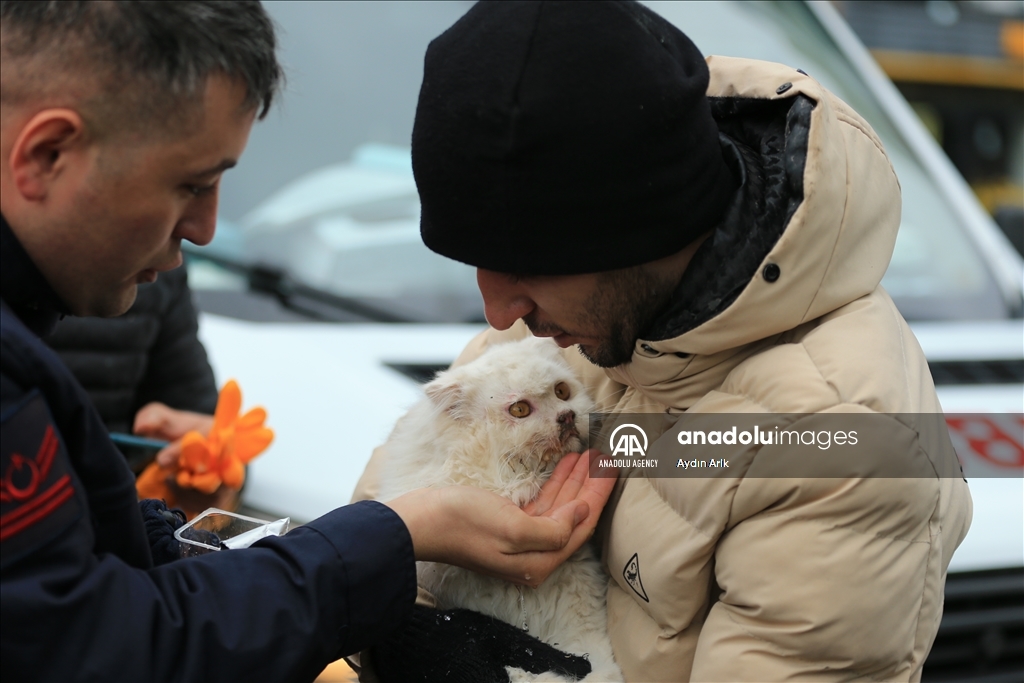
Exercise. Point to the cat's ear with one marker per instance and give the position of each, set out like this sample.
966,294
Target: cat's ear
446,392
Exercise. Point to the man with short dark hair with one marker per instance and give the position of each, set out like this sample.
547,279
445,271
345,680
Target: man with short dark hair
710,236
117,120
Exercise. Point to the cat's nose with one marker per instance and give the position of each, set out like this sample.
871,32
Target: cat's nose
566,417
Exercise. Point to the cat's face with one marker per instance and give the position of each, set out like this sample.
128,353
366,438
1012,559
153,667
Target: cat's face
521,399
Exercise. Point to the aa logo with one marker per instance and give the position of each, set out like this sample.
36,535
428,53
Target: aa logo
632,576
625,440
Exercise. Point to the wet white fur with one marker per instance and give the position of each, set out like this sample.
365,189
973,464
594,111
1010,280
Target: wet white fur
462,433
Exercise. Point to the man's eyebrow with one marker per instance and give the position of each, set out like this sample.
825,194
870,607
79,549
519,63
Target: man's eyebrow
219,168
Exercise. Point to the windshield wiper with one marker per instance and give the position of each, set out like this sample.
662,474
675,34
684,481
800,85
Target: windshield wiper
294,295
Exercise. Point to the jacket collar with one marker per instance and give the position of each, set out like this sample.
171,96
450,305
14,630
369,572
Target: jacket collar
24,288
825,221
667,366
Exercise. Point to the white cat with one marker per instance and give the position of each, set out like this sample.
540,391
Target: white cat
502,423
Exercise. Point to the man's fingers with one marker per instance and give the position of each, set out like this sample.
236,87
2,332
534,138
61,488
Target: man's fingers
596,491
573,513
159,421
482,531
151,419
550,491
168,457
560,537
570,489
546,533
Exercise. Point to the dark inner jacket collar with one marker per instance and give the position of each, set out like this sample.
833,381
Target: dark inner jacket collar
24,288
765,144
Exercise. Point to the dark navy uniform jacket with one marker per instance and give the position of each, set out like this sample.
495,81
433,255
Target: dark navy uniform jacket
81,598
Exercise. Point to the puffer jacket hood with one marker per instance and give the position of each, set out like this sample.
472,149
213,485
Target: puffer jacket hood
825,203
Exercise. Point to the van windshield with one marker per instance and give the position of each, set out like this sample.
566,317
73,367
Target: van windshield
326,192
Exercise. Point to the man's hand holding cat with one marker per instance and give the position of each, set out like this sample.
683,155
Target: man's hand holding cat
481,531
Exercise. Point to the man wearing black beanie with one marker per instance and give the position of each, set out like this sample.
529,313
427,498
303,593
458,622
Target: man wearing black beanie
710,235
557,139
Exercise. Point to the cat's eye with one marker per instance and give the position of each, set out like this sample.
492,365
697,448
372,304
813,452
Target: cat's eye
562,391
519,409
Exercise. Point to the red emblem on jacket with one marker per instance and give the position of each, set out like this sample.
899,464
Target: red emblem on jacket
21,484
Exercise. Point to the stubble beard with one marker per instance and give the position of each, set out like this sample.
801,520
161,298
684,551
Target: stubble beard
624,306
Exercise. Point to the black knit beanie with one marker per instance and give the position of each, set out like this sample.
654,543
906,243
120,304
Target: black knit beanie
557,138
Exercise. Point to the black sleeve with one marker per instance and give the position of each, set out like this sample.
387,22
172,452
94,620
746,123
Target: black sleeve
80,600
178,372
279,611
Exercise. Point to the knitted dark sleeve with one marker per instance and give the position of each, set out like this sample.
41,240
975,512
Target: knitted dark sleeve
463,646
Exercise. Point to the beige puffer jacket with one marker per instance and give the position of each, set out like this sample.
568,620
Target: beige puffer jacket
784,579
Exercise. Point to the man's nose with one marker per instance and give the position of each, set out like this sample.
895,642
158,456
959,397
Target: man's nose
199,222
504,301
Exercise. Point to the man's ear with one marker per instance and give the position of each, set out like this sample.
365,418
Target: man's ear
446,392
40,152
